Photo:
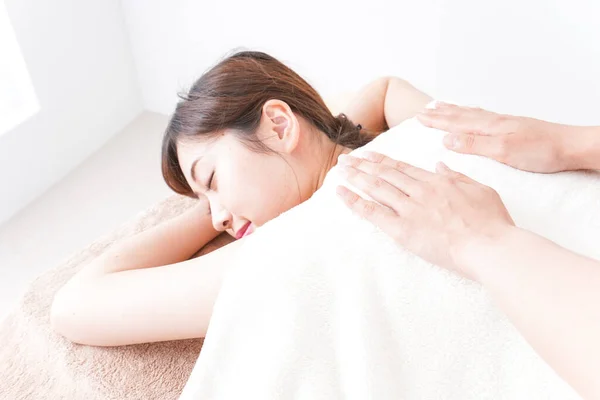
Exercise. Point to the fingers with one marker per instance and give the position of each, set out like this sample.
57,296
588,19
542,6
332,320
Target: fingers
490,146
400,166
440,105
396,178
386,219
458,119
377,188
446,118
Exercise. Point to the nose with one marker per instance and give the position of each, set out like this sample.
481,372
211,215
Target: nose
221,218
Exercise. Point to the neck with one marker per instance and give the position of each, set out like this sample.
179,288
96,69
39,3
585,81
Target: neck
330,154
319,155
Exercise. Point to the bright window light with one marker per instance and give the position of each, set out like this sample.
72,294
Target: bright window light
17,96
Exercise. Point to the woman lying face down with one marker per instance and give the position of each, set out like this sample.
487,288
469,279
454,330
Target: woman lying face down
254,138
250,140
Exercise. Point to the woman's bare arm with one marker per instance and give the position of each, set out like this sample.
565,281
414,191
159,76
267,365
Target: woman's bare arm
385,103
169,242
169,302
145,288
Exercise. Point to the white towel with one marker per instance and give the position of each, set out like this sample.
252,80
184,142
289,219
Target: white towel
322,305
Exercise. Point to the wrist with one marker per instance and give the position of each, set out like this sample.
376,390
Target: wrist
473,256
198,223
581,145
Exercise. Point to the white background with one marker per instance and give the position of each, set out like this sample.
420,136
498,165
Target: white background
539,56
95,64
78,57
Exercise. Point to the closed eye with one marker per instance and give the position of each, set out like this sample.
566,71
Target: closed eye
210,181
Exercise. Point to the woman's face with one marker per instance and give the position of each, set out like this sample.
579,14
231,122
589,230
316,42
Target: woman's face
245,188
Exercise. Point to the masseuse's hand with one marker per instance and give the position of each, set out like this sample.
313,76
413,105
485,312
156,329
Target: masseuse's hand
437,216
525,143
455,222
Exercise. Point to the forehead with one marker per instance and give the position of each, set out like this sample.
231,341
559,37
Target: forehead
203,150
188,151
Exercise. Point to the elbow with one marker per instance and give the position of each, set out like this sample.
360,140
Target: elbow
60,314
387,80
65,318
72,316
401,87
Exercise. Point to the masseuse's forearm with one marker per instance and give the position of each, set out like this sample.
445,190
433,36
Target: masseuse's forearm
551,295
583,147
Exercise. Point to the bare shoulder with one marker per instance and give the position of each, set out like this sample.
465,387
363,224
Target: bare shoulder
403,101
168,302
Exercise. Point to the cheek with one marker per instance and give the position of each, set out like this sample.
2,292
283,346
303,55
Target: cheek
245,186
265,190
279,192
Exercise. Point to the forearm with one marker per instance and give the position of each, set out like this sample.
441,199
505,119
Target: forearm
367,107
169,242
403,101
385,103
552,296
583,147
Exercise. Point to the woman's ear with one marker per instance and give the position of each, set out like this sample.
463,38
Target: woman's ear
281,127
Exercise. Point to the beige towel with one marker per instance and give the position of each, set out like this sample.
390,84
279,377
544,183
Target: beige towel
36,363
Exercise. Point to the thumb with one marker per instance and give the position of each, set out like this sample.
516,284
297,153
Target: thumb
483,145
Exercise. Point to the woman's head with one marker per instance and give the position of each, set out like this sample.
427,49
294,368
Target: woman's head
260,133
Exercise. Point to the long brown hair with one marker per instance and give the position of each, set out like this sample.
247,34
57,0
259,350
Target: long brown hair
231,94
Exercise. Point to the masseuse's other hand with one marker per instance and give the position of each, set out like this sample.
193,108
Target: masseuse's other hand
525,143
437,216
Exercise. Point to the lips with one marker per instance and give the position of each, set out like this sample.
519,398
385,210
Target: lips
242,232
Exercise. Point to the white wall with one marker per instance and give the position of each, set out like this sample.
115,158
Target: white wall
537,57
79,60
336,46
